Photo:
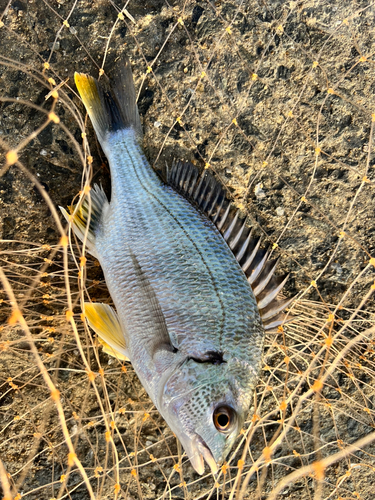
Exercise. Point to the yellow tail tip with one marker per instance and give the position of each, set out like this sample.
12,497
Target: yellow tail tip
80,79
87,89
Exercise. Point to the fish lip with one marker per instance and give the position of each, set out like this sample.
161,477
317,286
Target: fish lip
195,447
202,453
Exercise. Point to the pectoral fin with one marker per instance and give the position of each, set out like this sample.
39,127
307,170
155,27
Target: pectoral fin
155,326
105,323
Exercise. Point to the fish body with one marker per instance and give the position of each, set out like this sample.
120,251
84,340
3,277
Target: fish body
187,317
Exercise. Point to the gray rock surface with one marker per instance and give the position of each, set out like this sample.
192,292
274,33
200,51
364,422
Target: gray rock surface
278,99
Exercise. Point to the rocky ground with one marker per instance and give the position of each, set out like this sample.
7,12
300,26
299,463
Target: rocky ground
276,98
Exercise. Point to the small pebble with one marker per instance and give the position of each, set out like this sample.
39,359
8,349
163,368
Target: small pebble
280,211
258,191
54,46
337,268
73,430
43,152
157,124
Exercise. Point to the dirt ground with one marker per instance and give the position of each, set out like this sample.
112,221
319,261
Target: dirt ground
277,98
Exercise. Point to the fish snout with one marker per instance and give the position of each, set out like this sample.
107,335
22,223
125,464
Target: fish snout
199,454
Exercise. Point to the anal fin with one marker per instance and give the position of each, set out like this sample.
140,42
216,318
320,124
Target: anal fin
89,212
104,321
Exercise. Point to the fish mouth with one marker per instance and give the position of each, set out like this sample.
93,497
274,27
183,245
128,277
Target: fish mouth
199,452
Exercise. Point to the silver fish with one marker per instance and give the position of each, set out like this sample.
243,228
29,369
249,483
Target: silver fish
192,290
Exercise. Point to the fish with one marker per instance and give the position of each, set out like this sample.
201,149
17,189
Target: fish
193,291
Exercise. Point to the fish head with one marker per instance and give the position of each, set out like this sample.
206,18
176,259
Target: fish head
205,405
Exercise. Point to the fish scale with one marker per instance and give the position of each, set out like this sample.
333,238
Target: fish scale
186,316
182,245
192,248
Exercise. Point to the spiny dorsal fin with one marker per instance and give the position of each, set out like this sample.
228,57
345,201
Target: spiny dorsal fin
203,191
207,193
79,215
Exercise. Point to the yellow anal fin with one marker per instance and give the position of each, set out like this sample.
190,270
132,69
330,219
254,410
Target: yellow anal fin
105,323
88,213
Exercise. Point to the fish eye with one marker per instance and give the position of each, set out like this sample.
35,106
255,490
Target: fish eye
224,417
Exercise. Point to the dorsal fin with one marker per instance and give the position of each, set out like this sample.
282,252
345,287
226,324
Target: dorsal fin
206,193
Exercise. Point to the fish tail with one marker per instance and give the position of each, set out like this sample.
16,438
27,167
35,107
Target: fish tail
111,107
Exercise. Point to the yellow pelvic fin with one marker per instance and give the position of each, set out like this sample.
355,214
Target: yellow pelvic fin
105,323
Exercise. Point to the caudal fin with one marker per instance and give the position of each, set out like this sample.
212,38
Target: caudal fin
111,108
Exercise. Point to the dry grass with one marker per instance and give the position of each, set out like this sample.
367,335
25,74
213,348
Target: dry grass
276,98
